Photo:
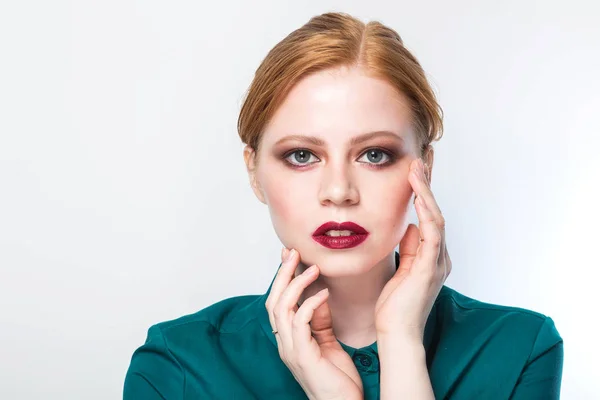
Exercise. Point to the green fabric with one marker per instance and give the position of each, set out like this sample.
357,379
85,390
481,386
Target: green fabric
474,350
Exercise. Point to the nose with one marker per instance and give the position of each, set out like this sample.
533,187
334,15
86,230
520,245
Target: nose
338,186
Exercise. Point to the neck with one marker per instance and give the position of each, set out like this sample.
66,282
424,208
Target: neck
352,300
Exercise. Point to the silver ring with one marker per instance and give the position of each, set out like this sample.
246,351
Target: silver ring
275,332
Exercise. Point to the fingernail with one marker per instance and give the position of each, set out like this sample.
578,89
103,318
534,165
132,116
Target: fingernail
310,270
289,255
283,253
415,167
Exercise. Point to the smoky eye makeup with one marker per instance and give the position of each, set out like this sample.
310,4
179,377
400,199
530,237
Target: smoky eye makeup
375,157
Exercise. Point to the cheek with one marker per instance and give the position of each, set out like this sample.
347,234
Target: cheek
391,208
281,205
385,203
286,201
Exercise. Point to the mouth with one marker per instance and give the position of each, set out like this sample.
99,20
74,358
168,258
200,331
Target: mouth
335,235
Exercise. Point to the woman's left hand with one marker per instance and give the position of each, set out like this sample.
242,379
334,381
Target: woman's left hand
406,300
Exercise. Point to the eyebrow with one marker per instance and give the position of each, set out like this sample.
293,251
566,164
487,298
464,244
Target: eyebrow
354,141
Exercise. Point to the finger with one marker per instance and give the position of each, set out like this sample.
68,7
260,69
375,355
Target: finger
422,189
322,324
409,246
429,250
284,309
282,279
305,324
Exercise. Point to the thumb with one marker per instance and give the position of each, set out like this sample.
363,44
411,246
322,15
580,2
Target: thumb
322,325
322,330
409,245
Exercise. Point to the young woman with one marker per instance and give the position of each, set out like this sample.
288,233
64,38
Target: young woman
338,124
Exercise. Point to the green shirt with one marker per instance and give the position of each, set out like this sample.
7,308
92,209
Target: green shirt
474,350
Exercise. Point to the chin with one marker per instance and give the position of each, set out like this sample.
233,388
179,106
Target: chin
344,262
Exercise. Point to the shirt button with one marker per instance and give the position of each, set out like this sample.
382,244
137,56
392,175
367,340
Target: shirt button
363,361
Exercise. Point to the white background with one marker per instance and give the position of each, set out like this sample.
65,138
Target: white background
124,199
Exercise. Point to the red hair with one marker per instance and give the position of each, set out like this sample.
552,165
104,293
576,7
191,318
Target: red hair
334,40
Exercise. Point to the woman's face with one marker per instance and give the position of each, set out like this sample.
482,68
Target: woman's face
306,184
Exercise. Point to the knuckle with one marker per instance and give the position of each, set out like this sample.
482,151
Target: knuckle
442,222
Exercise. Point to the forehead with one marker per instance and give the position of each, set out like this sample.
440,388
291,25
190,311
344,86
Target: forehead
337,104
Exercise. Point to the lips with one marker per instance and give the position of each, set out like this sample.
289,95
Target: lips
359,235
339,226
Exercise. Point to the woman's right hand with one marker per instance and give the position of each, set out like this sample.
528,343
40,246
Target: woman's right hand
305,339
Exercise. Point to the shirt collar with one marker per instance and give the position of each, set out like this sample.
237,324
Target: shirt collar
263,318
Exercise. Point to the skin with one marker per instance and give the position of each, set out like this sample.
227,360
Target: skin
338,181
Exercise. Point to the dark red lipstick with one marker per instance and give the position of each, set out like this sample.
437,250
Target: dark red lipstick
359,234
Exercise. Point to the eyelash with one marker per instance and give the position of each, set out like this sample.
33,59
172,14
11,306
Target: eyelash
392,157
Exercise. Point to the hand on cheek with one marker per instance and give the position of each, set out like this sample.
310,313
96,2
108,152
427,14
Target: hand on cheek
406,301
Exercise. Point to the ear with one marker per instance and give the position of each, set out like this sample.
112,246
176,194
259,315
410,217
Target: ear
428,160
249,159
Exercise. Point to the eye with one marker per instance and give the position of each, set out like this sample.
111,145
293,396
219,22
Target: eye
375,155
300,156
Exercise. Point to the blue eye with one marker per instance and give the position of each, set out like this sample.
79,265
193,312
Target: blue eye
301,156
377,154
374,155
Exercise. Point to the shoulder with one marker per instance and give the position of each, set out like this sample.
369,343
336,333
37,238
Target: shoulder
459,314
494,350
159,367
227,315
454,301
